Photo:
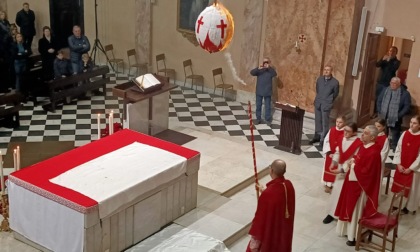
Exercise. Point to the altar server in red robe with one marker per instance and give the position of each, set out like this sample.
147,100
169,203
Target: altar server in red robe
331,141
272,227
359,196
407,159
383,144
348,146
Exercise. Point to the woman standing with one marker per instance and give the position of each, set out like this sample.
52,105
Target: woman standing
47,47
407,159
383,143
20,55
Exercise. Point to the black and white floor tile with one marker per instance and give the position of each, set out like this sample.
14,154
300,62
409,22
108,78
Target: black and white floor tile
77,121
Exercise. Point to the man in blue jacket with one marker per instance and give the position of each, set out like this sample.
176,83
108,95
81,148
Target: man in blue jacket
79,44
392,105
264,90
327,88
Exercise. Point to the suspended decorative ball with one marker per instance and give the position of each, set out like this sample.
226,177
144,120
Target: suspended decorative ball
214,28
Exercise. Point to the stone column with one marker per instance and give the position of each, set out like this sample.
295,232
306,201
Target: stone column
143,31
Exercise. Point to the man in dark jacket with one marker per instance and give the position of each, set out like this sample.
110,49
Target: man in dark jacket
327,88
79,44
392,105
264,90
25,19
389,65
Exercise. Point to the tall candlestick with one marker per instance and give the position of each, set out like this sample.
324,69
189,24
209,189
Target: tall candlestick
14,160
99,126
111,122
1,174
18,158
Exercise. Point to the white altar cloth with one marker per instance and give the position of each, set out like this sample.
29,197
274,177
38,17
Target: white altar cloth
126,173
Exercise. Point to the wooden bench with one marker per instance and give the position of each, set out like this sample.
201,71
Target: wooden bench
75,86
10,104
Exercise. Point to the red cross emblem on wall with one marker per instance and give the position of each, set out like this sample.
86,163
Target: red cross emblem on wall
302,38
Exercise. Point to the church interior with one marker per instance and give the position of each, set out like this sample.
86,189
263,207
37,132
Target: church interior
300,38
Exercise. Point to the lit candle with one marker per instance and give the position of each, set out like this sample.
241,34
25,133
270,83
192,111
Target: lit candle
99,126
15,159
1,174
18,158
111,122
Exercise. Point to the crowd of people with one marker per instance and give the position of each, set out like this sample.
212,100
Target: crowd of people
16,48
354,166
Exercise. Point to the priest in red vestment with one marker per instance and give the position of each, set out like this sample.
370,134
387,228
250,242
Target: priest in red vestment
359,196
272,227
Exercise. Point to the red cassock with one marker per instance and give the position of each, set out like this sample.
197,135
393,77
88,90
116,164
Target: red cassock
409,151
368,171
335,137
380,141
273,221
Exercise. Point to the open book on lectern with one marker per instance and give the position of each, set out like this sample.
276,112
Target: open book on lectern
146,82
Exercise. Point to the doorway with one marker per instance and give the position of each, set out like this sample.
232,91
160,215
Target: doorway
377,46
64,14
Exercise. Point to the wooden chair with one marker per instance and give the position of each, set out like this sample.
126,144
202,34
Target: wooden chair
131,54
218,74
114,62
380,225
161,67
387,175
189,74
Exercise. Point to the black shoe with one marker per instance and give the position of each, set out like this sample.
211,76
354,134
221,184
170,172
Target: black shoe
404,211
314,140
351,243
374,116
268,123
328,219
257,122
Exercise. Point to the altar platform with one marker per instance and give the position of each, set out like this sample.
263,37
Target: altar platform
77,202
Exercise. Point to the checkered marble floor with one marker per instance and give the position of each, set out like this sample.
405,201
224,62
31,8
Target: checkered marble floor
77,121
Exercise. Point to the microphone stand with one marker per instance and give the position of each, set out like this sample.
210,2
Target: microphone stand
97,44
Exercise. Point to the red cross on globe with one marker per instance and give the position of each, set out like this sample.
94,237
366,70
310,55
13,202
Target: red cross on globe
214,28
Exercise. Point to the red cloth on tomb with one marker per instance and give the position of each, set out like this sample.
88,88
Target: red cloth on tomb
37,177
368,171
409,151
273,221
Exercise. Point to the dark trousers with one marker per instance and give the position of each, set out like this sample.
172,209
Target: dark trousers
28,42
395,133
267,107
322,122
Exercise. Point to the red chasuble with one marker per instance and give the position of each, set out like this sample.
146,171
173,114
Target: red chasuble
409,151
368,171
335,138
273,221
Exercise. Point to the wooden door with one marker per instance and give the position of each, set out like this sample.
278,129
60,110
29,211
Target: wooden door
64,14
368,82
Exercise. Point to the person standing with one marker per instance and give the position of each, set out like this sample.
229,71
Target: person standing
79,44
360,192
6,53
265,74
393,104
347,147
383,143
272,226
389,64
47,47
331,141
327,88
21,54
407,160
25,19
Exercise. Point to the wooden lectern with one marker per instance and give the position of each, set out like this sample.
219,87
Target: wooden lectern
290,128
